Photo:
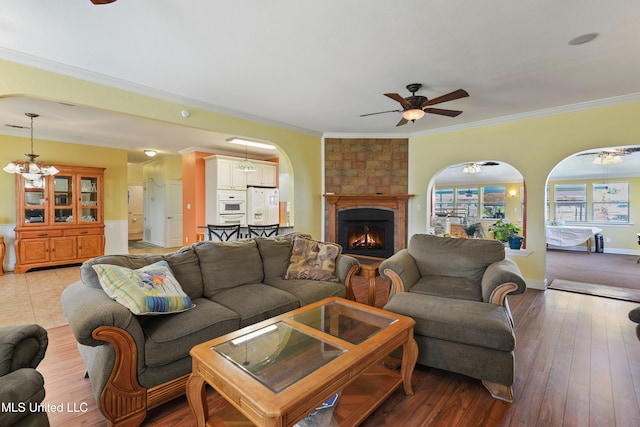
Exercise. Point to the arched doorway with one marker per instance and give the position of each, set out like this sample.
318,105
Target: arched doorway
592,212
476,193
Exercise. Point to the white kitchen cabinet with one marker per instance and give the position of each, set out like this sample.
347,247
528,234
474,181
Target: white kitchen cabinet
266,174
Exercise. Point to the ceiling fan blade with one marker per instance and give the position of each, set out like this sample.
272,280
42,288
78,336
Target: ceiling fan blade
102,1
398,98
380,112
456,94
442,112
402,121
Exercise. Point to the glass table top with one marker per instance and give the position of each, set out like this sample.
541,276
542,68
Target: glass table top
279,355
346,322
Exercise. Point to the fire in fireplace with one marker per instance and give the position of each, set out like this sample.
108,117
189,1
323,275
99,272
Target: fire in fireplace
366,231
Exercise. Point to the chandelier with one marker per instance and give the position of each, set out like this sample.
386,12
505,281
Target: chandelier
31,170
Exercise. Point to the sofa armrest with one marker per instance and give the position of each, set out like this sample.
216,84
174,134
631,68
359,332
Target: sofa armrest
346,267
500,279
88,309
21,346
402,270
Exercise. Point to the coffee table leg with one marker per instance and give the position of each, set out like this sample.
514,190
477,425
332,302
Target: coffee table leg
409,358
197,397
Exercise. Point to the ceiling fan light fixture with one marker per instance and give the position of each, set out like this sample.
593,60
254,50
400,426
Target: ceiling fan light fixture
472,168
150,153
413,114
604,158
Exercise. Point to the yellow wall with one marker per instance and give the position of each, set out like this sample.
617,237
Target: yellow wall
59,153
298,148
533,146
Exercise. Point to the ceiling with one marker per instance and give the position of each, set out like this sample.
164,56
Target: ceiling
317,66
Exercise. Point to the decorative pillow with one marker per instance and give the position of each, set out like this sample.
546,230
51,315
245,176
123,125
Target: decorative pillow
313,260
151,289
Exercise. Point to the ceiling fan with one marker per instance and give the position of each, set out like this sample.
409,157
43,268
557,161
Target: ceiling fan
415,106
605,157
102,1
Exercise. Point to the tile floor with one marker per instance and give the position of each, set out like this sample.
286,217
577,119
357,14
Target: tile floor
34,297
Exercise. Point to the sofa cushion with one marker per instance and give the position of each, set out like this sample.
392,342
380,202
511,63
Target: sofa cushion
225,265
184,263
170,338
309,291
448,287
275,253
256,302
466,322
313,260
151,289
472,256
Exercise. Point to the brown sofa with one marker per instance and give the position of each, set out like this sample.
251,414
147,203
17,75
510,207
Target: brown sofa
455,290
136,363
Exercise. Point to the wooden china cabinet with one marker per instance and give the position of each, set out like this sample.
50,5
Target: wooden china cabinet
60,219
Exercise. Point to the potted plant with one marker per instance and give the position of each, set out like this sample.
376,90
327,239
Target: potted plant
503,230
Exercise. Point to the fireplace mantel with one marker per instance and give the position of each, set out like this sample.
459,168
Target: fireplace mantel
395,202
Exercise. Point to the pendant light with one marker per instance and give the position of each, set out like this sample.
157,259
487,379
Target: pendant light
246,165
31,170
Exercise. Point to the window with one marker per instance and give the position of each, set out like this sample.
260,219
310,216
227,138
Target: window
611,202
471,202
443,202
571,202
493,202
467,201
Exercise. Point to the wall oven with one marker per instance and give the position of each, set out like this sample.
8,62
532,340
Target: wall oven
232,202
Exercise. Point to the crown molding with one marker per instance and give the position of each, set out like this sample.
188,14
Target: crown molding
534,114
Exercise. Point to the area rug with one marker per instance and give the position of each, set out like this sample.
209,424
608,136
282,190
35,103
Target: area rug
596,290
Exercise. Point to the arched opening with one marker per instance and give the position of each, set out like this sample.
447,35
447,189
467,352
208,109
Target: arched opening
468,200
592,211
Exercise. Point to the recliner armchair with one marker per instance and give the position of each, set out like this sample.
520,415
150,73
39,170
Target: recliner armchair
22,348
455,290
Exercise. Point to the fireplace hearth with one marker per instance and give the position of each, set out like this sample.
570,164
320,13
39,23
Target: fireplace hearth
366,231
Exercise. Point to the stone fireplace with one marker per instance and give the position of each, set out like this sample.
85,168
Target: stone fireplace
366,183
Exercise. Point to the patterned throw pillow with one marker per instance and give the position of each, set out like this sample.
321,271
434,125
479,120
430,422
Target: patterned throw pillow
152,289
313,260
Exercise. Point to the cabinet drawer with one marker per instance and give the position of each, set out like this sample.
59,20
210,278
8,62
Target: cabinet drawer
39,234
83,231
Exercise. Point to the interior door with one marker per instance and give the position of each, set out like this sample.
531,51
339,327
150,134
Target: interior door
173,209
136,212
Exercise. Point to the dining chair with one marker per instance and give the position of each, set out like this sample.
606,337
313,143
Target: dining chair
263,230
223,233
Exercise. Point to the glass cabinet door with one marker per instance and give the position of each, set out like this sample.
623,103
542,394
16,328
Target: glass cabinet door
63,198
88,199
35,201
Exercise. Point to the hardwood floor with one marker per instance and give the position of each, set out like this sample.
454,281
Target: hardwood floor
577,364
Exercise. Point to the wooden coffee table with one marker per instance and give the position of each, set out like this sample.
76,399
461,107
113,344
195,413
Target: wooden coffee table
276,372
